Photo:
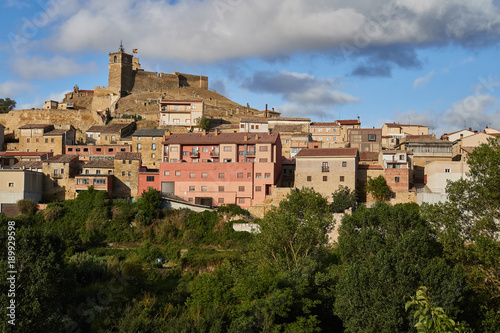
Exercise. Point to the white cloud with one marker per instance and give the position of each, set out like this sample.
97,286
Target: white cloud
422,81
215,30
12,88
54,68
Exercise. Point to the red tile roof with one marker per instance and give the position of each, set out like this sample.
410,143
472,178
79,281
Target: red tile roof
319,152
62,159
23,153
368,156
326,124
370,167
349,122
212,139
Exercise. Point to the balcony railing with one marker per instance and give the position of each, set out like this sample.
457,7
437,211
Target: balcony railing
325,169
247,153
195,153
214,153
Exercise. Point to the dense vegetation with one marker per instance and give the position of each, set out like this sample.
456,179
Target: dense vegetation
7,105
97,265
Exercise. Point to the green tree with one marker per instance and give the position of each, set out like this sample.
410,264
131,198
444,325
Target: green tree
387,253
431,318
343,198
7,105
148,205
296,229
204,123
27,207
378,188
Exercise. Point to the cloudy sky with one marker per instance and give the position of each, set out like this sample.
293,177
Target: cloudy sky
431,62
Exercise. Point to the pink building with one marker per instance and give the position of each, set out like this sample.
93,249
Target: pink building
216,169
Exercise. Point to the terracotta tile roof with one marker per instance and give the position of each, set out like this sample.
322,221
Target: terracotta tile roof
149,132
114,128
253,120
100,164
226,126
468,149
368,156
23,153
32,126
28,165
400,125
318,152
370,167
56,132
124,155
290,119
336,123
287,128
62,159
392,125
179,101
425,139
212,139
288,161
349,122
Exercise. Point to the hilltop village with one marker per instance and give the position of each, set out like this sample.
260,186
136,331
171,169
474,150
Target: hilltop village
201,150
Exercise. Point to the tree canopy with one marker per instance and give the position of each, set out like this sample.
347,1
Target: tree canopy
7,105
343,198
378,188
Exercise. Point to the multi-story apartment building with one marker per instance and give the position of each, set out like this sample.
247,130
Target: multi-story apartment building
148,143
126,170
181,112
60,172
216,169
110,134
397,168
248,124
327,133
346,125
46,138
325,169
96,173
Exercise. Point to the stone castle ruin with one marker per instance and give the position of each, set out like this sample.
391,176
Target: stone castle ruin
126,77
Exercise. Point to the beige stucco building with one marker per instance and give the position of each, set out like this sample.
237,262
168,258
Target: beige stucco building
46,138
325,169
181,112
17,184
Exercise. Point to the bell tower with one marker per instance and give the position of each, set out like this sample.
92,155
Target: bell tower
121,76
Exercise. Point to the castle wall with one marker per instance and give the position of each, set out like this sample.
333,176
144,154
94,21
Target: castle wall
153,81
194,81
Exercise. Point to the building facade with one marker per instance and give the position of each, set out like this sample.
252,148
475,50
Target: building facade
181,112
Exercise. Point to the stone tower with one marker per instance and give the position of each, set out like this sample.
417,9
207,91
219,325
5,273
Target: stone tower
121,74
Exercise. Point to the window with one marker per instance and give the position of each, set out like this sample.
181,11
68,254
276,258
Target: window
106,137
204,149
221,188
258,175
193,106
344,164
328,130
166,173
110,172
372,137
153,155
100,181
97,172
242,126
124,162
325,178
177,173
139,138
263,160
150,178
228,149
258,189
192,175
191,188
185,153
267,175
56,172
173,160
263,148
121,149
87,171
83,181
325,167
110,150
396,179
123,173
320,130
220,200
113,138
241,188
70,149
204,175
46,140
174,149
190,200
309,178
221,175
129,161
241,200
401,157
239,175
227,160
203,188
249,175
28,140
153,146
97,149
341,178
11,184
129,173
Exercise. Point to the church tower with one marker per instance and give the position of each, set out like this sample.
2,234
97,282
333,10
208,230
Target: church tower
121,75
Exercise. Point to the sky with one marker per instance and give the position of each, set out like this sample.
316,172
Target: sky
426,62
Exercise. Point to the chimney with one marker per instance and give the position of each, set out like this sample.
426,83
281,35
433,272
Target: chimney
216,132
204,132
167,133
245,137
265,114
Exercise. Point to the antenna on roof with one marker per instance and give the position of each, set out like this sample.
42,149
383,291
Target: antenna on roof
121,47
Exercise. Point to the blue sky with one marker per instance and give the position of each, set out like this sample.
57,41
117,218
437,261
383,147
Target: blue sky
430,62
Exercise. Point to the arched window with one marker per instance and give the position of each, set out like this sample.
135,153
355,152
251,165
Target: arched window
115,59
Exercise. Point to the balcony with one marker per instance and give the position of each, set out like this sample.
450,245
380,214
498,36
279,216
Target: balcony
247,153
195,154
214,153
325,169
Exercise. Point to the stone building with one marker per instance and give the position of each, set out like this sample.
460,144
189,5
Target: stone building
148,143
181,112
329,134
46,138
96,173
365,139
126,170
346,125
110,134
250,125
325,169
59,180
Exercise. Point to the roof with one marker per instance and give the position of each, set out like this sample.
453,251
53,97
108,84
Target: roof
288,161
400,125
62,159
23,153
253,120
114,128
425,139
349,122
56,132
180,101
397,151
289,119
149,132
368,156
371,167
124,155
468,149
288,128
445,135
100,164
212,139
28,165
320,152
33,126
325,124
226,126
